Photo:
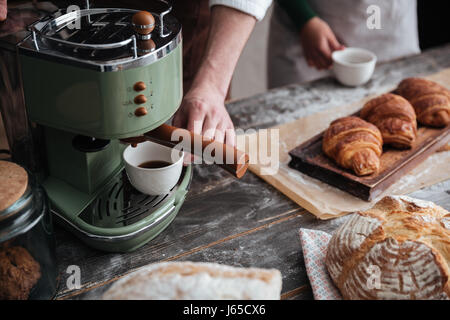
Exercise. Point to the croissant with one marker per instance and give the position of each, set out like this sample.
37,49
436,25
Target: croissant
354,144
430,100
394,117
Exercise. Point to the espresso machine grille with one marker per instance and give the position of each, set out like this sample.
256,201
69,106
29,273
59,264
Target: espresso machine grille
102,39
85,75
101,28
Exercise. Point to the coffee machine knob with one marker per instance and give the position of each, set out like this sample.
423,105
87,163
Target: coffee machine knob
139,86
143,22
140,99
141,111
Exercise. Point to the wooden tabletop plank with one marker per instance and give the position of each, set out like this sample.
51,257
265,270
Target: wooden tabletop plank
272,245
227,211
301,293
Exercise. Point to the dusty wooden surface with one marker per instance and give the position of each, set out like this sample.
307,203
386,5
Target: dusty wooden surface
245,222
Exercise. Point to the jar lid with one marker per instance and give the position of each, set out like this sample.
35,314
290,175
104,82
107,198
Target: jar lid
13,184
22,202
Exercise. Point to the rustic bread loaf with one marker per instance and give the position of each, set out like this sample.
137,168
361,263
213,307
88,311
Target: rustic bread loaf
399,249
189,280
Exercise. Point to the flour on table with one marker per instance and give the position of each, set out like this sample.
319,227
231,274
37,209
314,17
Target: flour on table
417,202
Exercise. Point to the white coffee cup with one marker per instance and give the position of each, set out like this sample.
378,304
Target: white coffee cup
353,66
153,181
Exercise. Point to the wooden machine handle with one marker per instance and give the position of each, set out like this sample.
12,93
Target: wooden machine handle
237,163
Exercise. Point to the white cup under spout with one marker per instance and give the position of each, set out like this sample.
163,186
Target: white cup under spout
153,181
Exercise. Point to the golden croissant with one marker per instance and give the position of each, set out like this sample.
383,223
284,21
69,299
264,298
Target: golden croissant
394,117
354,144
430,100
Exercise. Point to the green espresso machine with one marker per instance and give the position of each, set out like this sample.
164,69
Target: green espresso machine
90,78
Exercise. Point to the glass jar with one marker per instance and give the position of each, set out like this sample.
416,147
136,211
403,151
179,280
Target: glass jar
27,247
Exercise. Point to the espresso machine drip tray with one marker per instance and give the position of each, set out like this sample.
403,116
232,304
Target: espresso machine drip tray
121,219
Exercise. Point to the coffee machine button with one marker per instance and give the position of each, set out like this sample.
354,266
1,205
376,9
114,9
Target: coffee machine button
139,112
140,99
139,86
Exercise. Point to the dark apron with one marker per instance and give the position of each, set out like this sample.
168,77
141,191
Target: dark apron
194,16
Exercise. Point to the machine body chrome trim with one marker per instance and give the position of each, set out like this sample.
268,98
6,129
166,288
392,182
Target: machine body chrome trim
117,238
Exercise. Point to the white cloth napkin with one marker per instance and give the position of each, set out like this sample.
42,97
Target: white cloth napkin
314,245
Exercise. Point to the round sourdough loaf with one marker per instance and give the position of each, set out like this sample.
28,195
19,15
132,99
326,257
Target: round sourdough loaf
399,249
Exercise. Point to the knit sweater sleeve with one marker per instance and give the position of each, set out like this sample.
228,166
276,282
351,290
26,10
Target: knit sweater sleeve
256,8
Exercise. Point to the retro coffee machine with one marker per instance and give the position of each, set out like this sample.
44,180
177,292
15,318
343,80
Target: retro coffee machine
90,78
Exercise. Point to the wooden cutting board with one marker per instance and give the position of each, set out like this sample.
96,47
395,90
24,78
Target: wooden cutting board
310,159
319,198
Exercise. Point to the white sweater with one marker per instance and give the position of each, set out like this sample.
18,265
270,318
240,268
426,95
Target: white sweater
256,8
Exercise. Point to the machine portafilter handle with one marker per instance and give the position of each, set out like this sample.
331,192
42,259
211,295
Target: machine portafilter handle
233,160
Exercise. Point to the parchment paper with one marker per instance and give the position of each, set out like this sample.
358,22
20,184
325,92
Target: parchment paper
317,197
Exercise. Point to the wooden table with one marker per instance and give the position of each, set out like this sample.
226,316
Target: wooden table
245,222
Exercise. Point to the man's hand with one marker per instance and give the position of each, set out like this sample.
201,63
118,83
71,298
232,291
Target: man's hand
203,109
318,42
203,112
3,9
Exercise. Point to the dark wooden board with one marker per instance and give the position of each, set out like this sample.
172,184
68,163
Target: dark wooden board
311,160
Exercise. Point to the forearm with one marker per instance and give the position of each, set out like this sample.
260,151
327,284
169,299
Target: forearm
3,9
229,31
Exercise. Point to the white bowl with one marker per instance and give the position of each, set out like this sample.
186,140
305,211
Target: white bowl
353,66
153,181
